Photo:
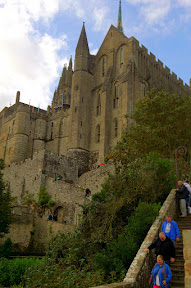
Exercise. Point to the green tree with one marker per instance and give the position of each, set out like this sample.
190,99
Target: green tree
5,200
162,124
147,179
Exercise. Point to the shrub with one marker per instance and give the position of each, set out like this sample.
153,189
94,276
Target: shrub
43,196
119,253
11,271
5,249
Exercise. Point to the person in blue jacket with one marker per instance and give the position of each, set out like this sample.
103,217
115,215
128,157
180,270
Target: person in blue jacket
160,274
170,229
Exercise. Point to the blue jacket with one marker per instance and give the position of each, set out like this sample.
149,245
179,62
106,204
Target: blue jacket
174,231
155,270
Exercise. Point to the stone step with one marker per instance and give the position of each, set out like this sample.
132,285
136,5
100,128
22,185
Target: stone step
179,262
177,283
177,277
177,271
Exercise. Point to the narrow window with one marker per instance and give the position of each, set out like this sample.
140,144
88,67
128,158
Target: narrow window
116,128
103,67
121,57
52,124
98,133
98,108
116,97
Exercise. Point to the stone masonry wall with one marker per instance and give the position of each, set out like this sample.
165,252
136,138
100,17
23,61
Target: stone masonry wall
31,234
139,271
187,257
25,177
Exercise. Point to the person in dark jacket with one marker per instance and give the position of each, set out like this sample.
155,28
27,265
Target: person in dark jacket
182,194
163,246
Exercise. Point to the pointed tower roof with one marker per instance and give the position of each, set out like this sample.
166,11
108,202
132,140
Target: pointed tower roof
82,45
119,23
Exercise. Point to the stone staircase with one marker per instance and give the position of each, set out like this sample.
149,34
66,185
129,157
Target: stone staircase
178,267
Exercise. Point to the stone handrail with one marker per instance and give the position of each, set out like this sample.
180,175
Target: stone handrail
139,271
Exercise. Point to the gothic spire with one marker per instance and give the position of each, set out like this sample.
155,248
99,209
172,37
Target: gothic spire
119,23
82,45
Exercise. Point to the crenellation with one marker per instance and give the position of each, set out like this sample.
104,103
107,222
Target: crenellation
152,57
144,49
160,64
180,81
167,70
174,76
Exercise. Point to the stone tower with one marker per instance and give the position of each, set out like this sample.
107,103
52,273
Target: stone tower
21,134
82,85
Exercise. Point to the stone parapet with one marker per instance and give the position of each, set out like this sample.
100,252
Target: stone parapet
187,257
139,271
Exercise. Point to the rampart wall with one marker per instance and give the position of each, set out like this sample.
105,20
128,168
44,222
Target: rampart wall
161,76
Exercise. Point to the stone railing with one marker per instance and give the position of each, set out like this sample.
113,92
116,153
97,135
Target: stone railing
187,257
138,274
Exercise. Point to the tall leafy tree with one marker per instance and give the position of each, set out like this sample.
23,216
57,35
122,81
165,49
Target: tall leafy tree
5,199
162,123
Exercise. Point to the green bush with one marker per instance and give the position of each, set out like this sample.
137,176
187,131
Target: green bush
119,253
43,196
11,271
61,275
6,248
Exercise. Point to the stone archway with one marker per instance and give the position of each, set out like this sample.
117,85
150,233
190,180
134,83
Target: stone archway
58,214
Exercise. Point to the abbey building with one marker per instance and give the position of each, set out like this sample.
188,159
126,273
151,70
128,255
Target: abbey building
89,104
55,148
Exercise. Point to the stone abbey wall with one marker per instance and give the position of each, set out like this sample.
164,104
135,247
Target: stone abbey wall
59,175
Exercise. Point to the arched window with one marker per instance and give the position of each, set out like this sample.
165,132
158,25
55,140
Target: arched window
116,97
103,67
116,127
121,57
98,133
98,108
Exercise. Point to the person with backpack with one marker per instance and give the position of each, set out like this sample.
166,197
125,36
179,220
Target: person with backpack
160,274
182,193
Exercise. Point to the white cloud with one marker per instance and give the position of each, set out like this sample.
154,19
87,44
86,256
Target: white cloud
31,66
184,3
94,51
30,60
153,12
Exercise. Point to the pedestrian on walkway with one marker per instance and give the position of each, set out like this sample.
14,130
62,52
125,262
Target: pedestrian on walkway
182,194
160,274
170,229
188,199
163,246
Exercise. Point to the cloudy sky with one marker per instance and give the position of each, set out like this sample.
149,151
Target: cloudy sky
37,37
